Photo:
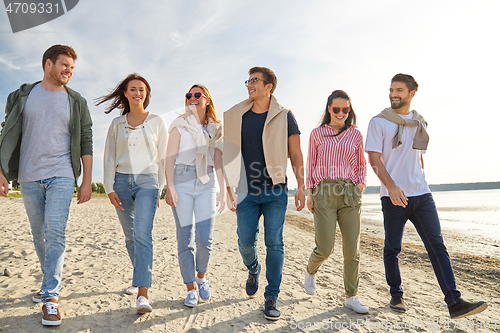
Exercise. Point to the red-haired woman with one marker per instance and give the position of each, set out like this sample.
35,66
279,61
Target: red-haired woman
193,152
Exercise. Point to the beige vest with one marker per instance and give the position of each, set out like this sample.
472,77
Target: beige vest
274,139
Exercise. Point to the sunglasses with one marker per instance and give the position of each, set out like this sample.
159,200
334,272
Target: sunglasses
196,95
254,80
336,109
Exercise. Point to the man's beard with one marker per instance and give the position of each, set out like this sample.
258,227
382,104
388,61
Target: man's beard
400,104
56,77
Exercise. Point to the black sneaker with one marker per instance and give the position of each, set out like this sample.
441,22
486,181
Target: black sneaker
270,311
397,304
464,309
252,284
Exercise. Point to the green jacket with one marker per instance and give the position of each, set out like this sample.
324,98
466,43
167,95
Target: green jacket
12,127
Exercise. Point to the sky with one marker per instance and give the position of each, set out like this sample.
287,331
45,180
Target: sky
314,47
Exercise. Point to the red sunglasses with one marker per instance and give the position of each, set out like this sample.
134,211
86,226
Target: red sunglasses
336,109
196,95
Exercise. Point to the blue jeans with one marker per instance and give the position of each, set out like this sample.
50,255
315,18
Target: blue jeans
196,198
421,211
271,204
47,204
139,197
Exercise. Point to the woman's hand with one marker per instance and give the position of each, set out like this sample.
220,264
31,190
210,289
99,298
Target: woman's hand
221,201
361,188
171,196
115,201
310,200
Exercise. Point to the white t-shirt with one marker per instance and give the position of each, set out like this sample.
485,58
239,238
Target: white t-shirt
187,148
402,163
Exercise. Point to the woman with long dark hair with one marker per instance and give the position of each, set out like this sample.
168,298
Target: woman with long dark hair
134,171
336,173
194,152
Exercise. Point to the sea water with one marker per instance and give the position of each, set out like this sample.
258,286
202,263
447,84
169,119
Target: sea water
470,217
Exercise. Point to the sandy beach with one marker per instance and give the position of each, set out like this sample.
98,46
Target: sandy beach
97,271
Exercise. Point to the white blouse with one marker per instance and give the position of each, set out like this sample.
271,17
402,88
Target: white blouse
135,150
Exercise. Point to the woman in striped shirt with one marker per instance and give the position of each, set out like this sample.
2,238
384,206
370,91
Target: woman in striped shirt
336,173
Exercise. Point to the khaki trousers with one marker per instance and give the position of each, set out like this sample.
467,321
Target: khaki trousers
337,200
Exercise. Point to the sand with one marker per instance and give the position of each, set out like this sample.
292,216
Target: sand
97,271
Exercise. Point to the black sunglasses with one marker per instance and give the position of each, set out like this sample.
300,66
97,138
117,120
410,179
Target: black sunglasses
336,109
196,95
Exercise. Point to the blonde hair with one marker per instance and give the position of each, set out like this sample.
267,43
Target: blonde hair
211,111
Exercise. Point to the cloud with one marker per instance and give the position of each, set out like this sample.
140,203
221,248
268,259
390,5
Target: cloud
9,64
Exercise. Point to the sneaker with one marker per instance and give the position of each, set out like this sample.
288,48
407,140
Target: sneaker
204,290
464,309
356,304
191,298
131,290
37,298
142,304
270,311
252,284
310,284
397,304
51,315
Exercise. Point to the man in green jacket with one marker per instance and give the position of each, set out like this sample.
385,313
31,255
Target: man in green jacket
46,132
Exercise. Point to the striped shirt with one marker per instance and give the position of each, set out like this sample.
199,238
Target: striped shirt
332,158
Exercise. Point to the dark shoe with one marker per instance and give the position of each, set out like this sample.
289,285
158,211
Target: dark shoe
270,311
397,304
464,309
252,284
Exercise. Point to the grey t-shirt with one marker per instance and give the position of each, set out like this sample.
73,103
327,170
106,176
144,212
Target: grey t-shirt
45,144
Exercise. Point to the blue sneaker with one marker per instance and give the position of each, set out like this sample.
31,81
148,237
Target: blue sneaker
191,298
204,290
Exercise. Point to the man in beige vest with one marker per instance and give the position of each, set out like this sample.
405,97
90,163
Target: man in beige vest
259,135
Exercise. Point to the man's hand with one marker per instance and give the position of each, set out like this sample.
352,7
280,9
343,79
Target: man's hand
398,197
84,193
115,201
300,199
4,186
231,199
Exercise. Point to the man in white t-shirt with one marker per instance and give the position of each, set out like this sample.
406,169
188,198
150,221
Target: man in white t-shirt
395,141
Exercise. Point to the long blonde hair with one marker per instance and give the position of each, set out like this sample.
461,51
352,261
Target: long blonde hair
211,111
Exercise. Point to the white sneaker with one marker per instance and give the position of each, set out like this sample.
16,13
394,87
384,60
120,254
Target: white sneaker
131,290
356,304
310,284
143,305
191,298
